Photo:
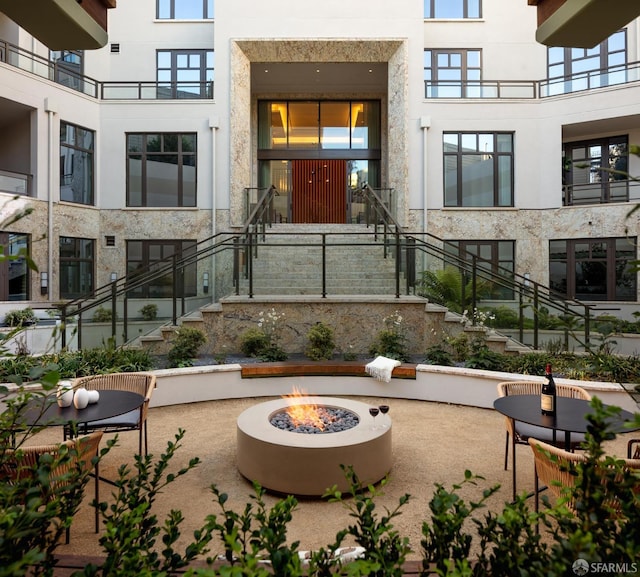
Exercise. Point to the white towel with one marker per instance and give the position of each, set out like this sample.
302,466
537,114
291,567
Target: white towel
381,368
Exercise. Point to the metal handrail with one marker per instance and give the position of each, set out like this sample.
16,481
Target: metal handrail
404,246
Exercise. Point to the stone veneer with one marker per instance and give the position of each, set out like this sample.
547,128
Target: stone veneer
243,52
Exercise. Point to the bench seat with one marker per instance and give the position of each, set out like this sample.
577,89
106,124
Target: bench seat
319,368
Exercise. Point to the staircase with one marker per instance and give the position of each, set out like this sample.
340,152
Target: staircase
284,265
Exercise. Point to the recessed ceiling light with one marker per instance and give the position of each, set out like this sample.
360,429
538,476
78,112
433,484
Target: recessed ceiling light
317,69
370,70
266,70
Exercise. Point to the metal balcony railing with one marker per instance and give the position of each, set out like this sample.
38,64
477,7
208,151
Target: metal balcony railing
126,90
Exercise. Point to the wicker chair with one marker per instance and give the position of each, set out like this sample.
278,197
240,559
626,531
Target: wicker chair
555,467
22,463
518,433
141,383
633,449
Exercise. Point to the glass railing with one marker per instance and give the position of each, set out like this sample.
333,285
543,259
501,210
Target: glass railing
15,183
601,193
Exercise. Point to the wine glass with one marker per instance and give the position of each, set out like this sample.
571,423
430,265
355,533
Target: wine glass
373,411
384,409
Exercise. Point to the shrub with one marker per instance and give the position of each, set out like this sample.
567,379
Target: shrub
263,342
391,342
321,342
149,312
20,317
185,346
102,315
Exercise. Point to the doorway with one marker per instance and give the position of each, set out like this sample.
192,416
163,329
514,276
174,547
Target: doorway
319,191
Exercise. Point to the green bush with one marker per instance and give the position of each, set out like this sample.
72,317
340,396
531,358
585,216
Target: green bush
321,342
391,342
71,364
20,317
253,341
149,312
102,315
185,346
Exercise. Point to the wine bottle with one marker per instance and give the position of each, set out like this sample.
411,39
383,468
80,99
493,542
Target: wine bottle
548,395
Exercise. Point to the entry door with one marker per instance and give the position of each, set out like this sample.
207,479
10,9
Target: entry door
319,191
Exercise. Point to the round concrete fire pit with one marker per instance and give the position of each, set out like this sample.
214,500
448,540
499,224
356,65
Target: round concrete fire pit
308,464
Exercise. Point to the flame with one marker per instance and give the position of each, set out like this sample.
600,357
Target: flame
304,414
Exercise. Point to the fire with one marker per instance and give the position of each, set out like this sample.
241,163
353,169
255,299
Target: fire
304,414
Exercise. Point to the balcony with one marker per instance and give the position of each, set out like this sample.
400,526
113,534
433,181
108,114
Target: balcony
127,90
532,89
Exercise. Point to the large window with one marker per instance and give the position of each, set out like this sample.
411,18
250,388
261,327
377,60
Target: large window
146,255
185,73
14,272
585,181
452,8
184,9
495,256
478,169
574,69
77,258
452,73
593,269
161,169
313,124
76,164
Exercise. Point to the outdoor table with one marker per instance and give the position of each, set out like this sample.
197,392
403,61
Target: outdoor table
571,416
44,411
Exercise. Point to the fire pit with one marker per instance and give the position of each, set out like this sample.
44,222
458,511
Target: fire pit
305,459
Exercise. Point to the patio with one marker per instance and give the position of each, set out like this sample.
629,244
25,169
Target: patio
432,443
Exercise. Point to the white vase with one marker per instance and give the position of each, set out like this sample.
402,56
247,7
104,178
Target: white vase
94,396
64,394
81,398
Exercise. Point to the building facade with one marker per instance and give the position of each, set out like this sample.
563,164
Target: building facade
139,150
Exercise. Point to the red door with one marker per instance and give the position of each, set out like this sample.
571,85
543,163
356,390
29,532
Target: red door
319,191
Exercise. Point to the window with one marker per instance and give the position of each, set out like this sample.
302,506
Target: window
452,73
76,164
583,178
161,169
478,169
497,256
593,269
313,125
14,272
452,8
77,257
68,67
184,9
146,255
574,69
185,73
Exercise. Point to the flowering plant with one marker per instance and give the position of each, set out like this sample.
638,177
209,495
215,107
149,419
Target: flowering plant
391,342
263,342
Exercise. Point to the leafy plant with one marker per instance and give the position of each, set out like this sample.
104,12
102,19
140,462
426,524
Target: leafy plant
20,317
102,315
132,530
451,288
391,342
185,346
263,341
321,342
149,312
385,550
